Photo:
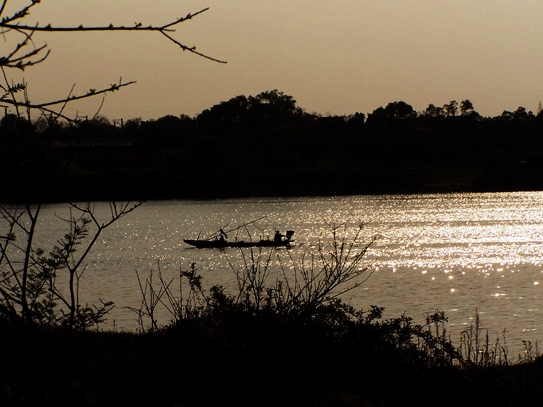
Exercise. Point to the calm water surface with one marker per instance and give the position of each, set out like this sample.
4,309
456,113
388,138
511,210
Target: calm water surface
460,253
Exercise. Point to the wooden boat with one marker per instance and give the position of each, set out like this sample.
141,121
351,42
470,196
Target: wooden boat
279,240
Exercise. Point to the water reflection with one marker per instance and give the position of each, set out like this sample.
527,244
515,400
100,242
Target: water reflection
454,252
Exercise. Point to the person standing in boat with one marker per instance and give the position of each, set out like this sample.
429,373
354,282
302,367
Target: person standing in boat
278,236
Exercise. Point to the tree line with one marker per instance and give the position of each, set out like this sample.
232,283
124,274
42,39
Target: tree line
267,144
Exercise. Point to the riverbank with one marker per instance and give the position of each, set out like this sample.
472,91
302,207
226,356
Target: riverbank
258,364
162,185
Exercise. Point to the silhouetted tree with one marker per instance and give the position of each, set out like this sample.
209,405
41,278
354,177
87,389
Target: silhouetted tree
225,115
132,125
521,114
273,107
169,118
433,111
393,111
269,108
28,288
451,108
466,107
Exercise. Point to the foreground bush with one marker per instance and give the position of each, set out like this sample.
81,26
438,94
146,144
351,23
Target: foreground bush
240,358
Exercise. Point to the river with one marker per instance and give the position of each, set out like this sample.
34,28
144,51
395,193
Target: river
461,253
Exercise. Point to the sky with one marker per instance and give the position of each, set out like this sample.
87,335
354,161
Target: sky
333,58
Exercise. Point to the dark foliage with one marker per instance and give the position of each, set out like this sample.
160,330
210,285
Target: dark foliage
266,144
238,358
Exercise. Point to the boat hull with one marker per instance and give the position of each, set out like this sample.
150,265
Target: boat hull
221,244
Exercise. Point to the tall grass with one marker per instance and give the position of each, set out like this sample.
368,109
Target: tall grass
297,285
309,287
477,349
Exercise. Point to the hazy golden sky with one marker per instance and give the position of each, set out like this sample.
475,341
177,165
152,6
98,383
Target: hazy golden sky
336,57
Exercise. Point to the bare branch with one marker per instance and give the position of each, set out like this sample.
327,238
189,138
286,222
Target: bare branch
23,61
70,98
164,29
192,49
22,13
111,27
26,54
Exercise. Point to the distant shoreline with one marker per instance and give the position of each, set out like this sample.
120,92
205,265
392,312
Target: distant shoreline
119,188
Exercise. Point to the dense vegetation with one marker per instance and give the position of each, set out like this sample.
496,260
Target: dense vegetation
235,352
267,145
247,360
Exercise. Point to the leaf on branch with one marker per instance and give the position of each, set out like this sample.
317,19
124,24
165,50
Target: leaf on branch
13,89
17,87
